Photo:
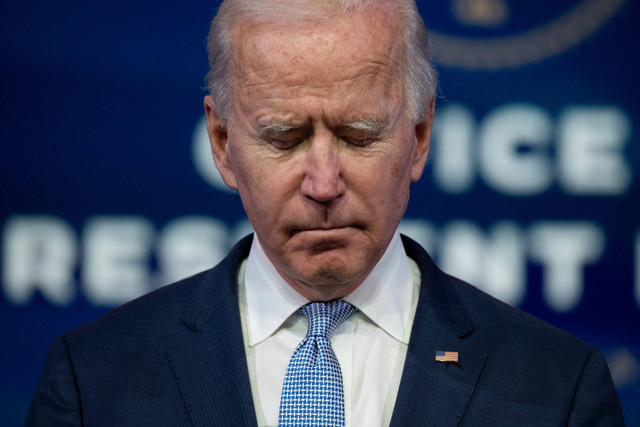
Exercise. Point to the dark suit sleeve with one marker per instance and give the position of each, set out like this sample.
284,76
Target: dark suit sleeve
56,401
596,401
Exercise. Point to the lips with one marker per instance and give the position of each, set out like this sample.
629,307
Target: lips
325,229
317,229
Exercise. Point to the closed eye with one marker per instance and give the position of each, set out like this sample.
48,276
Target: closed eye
285,140
358,138
283,136
362,132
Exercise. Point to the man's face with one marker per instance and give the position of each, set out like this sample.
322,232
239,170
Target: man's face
320,146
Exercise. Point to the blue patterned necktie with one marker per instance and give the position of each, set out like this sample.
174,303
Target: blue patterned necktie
312,394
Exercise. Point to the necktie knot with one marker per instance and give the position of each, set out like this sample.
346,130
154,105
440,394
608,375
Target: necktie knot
325,317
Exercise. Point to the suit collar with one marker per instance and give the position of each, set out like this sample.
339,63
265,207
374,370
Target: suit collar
210,362
433,392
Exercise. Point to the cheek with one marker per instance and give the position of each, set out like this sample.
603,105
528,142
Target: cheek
393,185
399,168
399,171
265,188
247,170
248,183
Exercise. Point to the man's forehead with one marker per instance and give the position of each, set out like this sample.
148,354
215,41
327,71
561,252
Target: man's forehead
339,71
356,105
368,36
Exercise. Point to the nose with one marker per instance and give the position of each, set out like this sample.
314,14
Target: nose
323,177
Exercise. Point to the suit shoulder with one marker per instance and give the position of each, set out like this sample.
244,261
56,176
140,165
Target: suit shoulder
160,313
494,323
150,314
497,317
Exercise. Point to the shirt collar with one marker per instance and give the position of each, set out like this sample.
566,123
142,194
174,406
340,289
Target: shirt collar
384,296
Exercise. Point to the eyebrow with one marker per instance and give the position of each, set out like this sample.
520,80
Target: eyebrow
369,125
276,127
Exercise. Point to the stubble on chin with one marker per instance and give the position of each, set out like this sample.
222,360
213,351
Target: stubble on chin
324,281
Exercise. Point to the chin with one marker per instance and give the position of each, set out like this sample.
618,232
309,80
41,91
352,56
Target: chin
327,287
327,276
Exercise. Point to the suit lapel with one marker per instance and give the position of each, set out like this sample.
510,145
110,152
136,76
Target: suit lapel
436,393
210,363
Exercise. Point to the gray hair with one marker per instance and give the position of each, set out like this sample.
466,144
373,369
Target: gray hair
420,78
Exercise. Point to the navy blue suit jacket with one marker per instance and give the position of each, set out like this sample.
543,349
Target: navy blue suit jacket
176,357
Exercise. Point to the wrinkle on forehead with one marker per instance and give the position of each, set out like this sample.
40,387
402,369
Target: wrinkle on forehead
357,49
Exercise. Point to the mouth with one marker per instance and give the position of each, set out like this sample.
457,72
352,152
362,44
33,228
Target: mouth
326,230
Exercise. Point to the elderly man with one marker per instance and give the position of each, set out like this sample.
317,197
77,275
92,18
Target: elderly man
320,116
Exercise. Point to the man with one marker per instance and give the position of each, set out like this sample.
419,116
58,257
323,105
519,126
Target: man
320,116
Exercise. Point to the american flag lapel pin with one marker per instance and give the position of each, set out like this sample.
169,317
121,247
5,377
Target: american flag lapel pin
447,356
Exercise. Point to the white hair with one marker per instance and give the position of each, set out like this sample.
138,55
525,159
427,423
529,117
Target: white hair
420,78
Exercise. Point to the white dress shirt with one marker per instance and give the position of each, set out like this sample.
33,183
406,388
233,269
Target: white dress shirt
371,345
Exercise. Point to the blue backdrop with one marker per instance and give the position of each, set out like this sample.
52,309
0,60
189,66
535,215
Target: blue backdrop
108,190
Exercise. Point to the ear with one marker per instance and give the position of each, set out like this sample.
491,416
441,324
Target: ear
423,137
218,138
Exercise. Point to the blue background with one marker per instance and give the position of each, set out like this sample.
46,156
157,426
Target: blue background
99,112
